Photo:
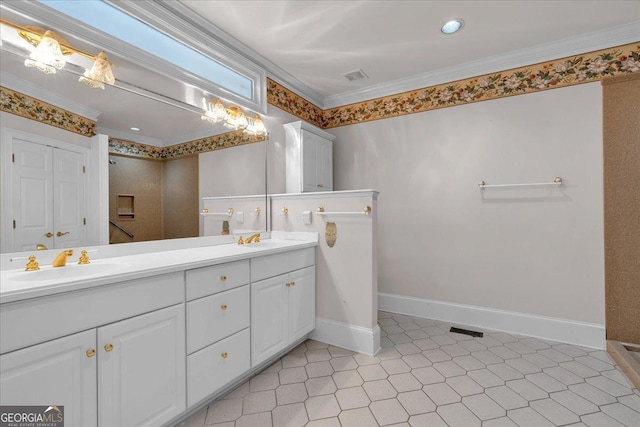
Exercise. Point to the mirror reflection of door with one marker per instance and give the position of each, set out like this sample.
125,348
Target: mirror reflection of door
48,196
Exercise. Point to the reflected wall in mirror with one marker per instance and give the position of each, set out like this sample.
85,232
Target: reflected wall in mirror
167,166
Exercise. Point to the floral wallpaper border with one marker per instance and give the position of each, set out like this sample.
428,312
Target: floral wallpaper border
568,71
201,145
555,74
281,97
31,108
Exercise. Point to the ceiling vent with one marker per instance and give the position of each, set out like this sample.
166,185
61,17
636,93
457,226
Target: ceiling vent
355,75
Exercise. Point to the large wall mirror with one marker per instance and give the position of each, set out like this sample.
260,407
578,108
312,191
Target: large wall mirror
163,158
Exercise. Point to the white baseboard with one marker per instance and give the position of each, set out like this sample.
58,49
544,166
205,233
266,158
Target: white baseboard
350,337
563,330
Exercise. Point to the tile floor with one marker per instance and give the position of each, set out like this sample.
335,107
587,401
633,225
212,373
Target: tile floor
427,376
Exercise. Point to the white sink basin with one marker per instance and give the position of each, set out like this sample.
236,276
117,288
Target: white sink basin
70,271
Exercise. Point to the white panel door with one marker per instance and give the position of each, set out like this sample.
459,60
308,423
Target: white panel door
324,167
68,195
309,148
142,369
302,303
58,372
32,195
269,330
48,196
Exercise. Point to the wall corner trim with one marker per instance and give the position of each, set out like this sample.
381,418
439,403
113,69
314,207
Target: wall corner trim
351,337
554,329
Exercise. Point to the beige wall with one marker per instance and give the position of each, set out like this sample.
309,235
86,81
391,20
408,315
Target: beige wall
180,199
622,207
143,179
528,250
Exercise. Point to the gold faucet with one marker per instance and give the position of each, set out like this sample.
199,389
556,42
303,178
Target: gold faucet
61,259
253,238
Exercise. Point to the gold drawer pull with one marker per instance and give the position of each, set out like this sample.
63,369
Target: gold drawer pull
108,347
225,355
48,235
223,307
223,278
60,233
320,186
91,353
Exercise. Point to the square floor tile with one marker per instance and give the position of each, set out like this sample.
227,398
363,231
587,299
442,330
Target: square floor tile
388,412
321,385
361,417
554,412
416,402
379,390
322,407
506,397
458,415
441,394
293,415
351,398
483,407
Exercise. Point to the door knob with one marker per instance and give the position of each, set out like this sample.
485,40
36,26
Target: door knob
48,235
60,233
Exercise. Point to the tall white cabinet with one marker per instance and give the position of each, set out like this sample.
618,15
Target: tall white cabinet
309,158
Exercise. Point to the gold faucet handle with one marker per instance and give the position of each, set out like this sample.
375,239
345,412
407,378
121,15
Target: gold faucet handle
32,265
84,258
257,239
240,241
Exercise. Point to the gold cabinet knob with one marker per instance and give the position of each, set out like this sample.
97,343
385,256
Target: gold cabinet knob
48,235
225,355
223,307
293,283
91,353
320,186
108,347
223,278
60,233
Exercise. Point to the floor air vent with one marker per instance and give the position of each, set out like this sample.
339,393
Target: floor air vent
466,332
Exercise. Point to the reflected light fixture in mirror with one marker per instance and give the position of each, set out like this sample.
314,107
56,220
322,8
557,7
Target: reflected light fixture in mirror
233,118
49,54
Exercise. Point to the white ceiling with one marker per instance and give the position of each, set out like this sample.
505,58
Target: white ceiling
317,41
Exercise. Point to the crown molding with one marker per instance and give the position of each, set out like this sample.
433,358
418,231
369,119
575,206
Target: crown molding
221,38
130,136
15,83
611,37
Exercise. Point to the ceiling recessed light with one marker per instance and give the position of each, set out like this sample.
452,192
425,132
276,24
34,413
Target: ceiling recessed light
135,129
452,26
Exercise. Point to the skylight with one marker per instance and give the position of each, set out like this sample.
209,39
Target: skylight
117,23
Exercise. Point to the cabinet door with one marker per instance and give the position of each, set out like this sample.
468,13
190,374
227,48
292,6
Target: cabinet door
302,303
324,168
141,369
309,148
268,318
56,373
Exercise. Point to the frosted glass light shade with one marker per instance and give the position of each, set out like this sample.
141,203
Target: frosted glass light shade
215,112
99,74
47,56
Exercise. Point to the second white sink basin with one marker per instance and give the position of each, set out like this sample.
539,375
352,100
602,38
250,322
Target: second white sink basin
69,271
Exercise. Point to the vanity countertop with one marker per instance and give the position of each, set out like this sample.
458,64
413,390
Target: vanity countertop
17,284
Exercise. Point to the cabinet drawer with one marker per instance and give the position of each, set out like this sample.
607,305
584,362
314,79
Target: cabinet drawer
274,265
210,280
208,370
24,323
217,316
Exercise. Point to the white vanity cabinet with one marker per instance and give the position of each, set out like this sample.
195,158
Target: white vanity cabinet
217,327
58,372
283,307
308,158
116,372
